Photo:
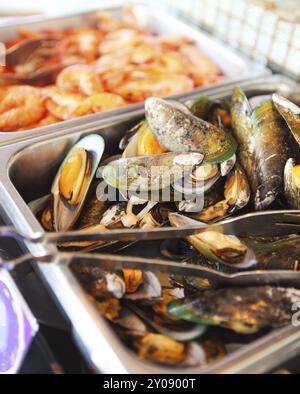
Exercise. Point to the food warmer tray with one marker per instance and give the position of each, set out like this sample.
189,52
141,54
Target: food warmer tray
234,66
26,173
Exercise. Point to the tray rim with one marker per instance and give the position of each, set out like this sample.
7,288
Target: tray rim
250,358
253,69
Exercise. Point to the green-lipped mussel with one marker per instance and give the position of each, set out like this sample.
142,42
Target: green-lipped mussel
244,310
291,114
178,131
168,319
263,147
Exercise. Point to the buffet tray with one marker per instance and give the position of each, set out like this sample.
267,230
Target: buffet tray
234,67
26,173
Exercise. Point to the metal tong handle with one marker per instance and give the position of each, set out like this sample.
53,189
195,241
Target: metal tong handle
114,263
105,235
259,223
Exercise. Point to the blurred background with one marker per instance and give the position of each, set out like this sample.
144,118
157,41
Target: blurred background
266,30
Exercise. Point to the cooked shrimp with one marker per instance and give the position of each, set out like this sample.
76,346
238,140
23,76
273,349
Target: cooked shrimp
160,86
84,42
99,103
47,120
143,54
112,61
79,79
113,79
61,104
119,39
20,106
173,62
200,67
106,22
144,71
173,42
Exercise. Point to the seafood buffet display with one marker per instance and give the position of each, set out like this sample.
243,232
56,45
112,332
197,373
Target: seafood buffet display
245,153
92,69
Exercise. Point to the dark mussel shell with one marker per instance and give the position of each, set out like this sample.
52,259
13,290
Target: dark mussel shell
244,310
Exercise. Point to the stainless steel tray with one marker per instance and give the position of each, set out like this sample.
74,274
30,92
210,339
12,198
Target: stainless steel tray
234,66
26,172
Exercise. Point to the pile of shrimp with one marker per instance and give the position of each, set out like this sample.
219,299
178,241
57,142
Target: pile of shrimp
107,66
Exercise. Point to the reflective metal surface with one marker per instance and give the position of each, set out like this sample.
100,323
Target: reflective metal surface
234,67
26,173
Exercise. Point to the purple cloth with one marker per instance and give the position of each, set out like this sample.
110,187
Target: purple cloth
17,325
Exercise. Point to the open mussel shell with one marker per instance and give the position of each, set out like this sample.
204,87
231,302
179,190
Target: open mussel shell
244,310
216,112
178,131
215,246
131,149
41,208
38,205
149,173
173,329
199,181
98,282
110,308
157,216
256,101
237,190
125,141
219,114
291,114
292,184
164,350
201,107
227,166
72,182
160,348
140,141
149,289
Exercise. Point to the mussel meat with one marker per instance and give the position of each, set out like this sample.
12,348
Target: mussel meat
149,289
133,279
73,180
110,308
215,246
237,191
172,328
237,195
292,183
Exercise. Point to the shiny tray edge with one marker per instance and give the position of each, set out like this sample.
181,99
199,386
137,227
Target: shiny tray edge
254,358
251,70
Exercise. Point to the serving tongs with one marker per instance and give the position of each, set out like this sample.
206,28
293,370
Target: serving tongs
21,52
109,262
271,223
267,223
